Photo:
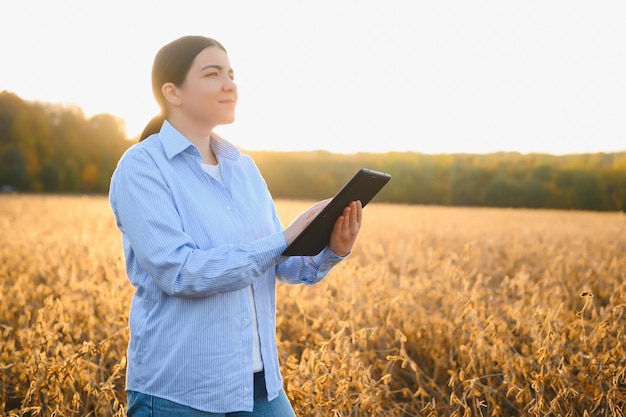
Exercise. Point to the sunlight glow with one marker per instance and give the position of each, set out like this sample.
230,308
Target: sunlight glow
431,77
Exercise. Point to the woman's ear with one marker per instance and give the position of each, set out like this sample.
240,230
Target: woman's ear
171,94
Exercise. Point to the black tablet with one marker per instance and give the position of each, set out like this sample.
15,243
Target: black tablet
363,186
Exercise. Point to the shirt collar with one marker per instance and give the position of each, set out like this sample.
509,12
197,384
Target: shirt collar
223,148
174,143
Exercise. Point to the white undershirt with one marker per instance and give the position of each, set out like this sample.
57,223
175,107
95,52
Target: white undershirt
213,170
257,362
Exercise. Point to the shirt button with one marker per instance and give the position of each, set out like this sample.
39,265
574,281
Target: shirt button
227,207
241,242
246,389
245,357
245,319
245,398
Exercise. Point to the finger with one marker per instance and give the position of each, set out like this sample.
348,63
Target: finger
344,220
316,209
353,220
359,211
321,204
338,228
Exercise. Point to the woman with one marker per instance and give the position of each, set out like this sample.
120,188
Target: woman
203,246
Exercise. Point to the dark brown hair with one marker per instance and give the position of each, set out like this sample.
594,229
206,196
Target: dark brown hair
171,65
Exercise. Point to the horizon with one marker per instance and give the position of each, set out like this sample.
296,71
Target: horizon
133,139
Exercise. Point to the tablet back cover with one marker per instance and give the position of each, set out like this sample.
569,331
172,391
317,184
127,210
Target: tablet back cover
363,186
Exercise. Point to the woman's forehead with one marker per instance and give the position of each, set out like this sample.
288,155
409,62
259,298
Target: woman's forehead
212,55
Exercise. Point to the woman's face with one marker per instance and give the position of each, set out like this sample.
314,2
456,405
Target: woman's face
208,96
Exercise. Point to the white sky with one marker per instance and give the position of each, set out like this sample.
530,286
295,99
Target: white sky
347,75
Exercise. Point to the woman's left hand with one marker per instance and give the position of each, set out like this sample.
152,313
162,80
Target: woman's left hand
346,229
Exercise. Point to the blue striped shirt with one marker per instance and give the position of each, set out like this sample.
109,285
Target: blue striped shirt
193,246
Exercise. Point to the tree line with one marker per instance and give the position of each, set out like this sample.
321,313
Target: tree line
581,181
54,148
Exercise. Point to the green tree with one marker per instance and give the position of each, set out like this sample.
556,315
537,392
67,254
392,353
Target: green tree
13,169
502,191
468,184
589,191
534,193
50,176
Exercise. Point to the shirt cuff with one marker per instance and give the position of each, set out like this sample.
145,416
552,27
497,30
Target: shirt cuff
328,256
337,256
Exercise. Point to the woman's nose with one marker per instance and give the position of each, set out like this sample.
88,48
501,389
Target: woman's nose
230,84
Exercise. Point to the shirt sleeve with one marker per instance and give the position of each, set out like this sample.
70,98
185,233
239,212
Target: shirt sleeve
305,269
146,214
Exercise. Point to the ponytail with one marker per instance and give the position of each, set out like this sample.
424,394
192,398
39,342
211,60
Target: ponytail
153,126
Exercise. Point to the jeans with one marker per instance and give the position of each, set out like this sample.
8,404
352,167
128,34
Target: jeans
143,405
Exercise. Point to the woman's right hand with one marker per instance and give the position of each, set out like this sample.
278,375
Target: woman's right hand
303,220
